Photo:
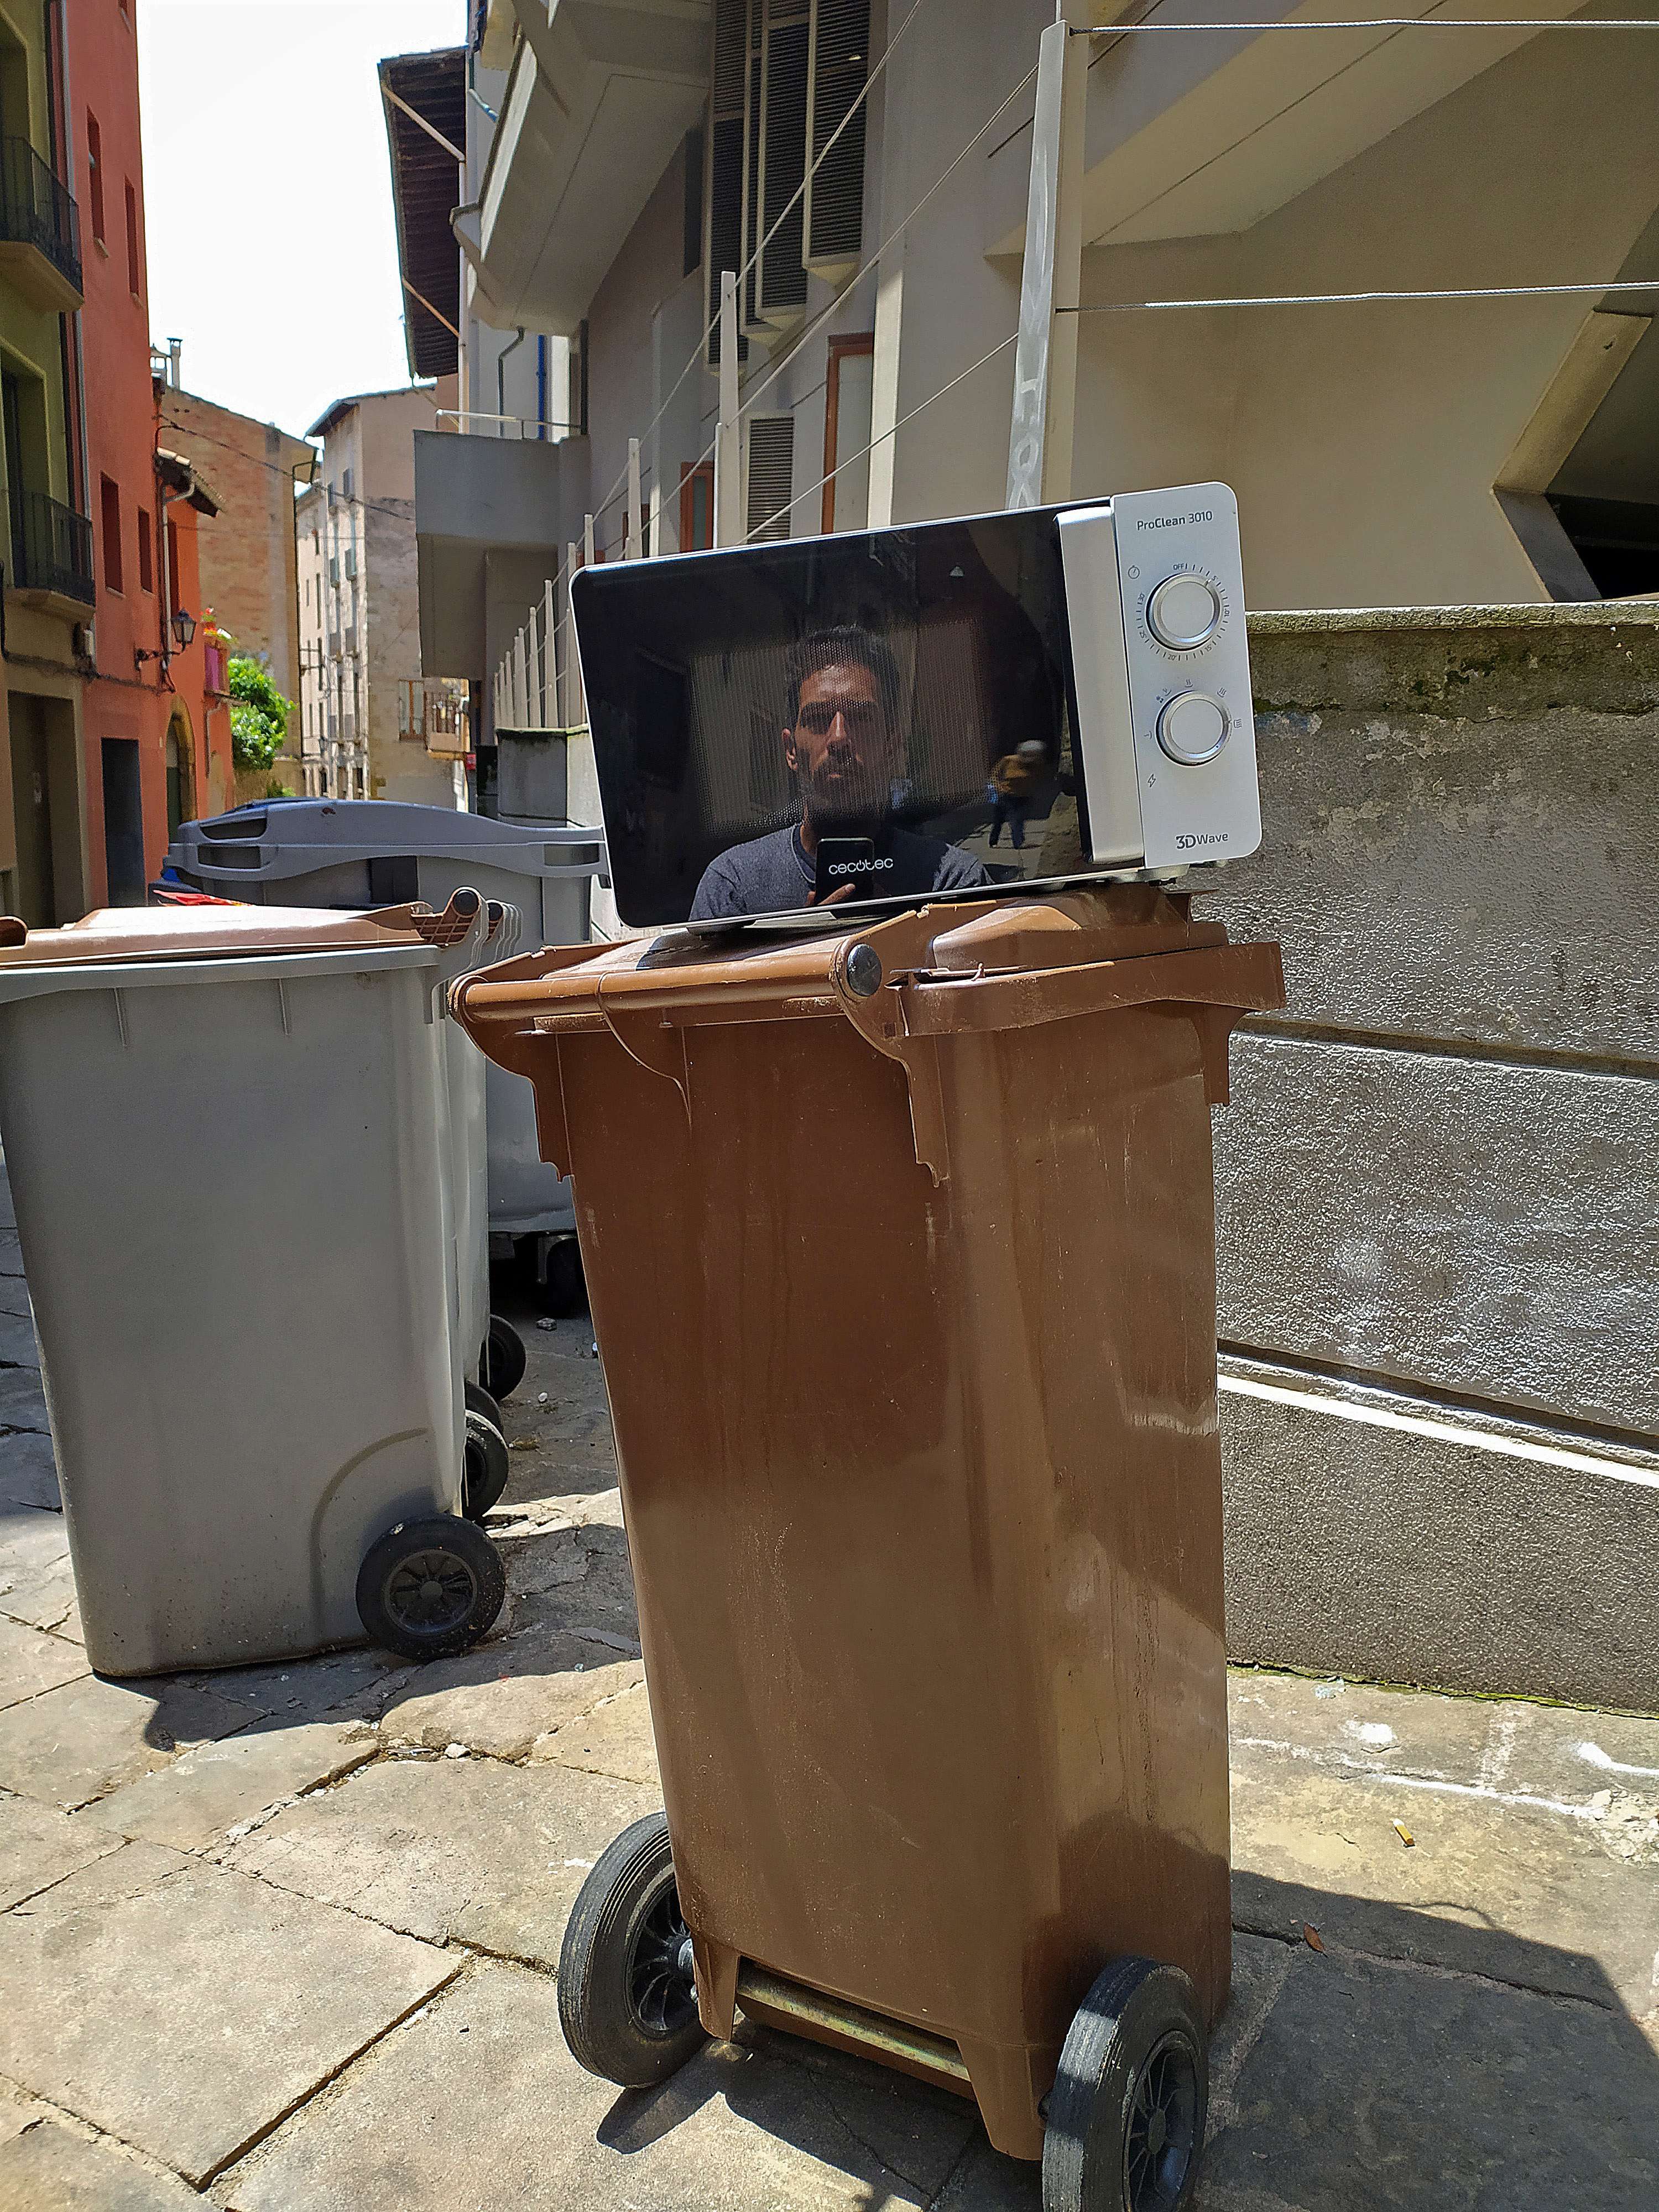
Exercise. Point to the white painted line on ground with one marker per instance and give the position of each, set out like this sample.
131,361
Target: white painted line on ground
1595,1756
1379,1416
1398,1781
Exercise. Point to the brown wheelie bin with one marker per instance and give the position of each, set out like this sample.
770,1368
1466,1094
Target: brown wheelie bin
900,1245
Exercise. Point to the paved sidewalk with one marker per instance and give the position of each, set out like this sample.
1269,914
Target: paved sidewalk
284,1937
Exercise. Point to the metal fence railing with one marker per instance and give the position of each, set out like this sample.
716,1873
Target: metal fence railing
36,209
51,548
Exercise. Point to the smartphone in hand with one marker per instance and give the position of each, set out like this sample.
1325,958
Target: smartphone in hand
850,864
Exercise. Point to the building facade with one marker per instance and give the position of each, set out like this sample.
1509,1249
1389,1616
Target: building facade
1420,447
248,552
371,725
46,868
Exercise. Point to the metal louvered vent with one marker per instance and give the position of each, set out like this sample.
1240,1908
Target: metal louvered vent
782,295
835,195
771,467
723,219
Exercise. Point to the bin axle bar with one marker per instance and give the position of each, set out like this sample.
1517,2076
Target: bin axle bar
769,1997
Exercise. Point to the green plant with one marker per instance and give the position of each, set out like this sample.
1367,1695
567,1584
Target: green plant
258,713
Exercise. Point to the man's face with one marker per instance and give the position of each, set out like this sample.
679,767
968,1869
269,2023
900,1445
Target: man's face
841,750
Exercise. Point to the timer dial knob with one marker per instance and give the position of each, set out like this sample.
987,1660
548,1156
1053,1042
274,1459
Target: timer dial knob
1193,727
1182,613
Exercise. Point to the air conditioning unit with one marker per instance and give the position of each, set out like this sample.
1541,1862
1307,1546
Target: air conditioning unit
86,642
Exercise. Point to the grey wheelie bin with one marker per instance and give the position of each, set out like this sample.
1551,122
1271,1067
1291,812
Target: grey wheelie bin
229,1139
363,853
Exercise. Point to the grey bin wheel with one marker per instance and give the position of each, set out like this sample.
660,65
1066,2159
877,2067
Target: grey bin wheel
561,1294
487,1466
501,1368
479,1401
430,1589
1126,2115
627,2003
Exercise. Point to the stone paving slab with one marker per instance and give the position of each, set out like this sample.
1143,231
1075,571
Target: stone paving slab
18,1347
450,1850
13,1295
477,2102
29,1472
218,1787
22,1405
1318,1783
505,1695
11,1252
333,1684
39,1846
31,1661
76,1743
1377,2084
49,2167
188,2015
37,1583
616,1738
566,1445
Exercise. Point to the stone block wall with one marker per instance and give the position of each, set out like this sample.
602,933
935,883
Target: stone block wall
1438,1183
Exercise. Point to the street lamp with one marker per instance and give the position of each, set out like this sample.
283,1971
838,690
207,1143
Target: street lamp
184,629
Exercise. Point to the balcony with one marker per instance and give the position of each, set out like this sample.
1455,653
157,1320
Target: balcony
39,230
50,554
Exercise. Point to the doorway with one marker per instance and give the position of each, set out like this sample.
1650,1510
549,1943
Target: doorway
46,799
124,822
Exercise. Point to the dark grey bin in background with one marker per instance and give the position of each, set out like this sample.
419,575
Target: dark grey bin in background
368,851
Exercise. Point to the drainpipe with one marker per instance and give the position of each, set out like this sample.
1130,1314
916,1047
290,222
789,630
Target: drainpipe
541,389
500,384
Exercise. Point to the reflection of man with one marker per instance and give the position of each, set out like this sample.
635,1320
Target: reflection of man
841,745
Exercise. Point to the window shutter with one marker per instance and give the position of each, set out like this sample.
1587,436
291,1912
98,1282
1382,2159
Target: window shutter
771,471
835,196
723,220
782,295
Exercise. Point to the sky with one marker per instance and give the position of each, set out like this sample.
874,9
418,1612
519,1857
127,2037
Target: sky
272,249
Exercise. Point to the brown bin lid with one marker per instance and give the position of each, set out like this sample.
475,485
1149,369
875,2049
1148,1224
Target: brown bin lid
116,935
905,983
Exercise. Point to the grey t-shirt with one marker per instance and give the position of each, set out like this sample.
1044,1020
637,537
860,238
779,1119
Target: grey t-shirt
771,875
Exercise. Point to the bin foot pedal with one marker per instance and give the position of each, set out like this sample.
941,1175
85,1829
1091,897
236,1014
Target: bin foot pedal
777,2003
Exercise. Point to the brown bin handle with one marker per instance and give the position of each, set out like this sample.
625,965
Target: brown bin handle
1216,985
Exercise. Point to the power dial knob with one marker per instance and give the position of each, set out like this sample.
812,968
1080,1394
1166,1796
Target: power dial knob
1192,728
1182,613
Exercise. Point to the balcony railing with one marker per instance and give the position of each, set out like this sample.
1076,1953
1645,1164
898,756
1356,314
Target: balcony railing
51,548
36,210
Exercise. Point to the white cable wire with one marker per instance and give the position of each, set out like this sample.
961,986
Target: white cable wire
1361,299
1392,23
909,416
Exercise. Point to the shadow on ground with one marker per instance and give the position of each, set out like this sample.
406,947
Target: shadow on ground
1341,2076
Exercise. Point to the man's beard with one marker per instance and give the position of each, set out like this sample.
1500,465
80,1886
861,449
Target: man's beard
858,807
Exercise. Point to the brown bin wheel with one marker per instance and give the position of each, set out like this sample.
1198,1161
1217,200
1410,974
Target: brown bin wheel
1126,2115
430,1589
627,2003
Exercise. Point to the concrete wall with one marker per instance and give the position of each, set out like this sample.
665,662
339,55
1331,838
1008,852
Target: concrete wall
1438,1203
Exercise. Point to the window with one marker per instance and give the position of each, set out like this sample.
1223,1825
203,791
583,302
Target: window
111,495
134,281
95,176
697,508
846,416
146,557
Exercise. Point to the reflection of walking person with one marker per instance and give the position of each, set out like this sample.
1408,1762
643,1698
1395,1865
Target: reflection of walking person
1014,780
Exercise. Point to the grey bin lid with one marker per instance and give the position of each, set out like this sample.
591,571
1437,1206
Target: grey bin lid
294,836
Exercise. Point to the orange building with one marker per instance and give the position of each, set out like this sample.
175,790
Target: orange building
156,736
